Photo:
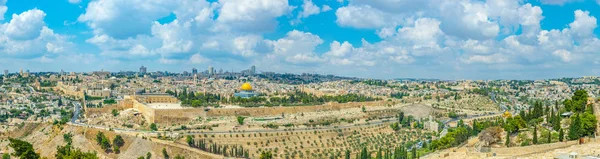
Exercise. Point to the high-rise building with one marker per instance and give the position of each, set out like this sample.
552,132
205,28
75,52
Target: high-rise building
5,72
194,71
220,71
62,72
143,69
253,70
211,70
21,72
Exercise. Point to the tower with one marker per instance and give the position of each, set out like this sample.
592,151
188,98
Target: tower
143,69
194,71
6,73
211,70
253,70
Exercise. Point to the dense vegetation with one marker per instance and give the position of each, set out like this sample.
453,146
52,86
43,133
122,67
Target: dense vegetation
225,150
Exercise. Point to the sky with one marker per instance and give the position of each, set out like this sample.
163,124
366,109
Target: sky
384,39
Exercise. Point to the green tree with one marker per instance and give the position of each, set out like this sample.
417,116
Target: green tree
556,122
575,130
414,153
116,149
588,124
68,152
395,126
23,149
347,156
5,156
165,154
115,112
240,120
561,135
579,100
103,141
549,137
153,127
364,154
68,137
148,155
266,155
179,157
118,140
190,140
379,156
507,139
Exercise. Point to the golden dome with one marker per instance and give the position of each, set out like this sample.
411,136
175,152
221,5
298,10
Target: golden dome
507,114
246,87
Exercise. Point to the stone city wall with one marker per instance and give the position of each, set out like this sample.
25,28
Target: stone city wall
105,109
271,111
180,116
177,116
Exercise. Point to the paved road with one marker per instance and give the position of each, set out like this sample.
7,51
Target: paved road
76,111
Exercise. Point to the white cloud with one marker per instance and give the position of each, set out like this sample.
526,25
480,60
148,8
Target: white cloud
325,8
251,15
27,36
308,9
584,24
198,59
246,45
3,9
26,26
139,50
424,34
564,55
338,49
50,47
486,59
557,2
74,1
296,47
176,37
364,16
124,19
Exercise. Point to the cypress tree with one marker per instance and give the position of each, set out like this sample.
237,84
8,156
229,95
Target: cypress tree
507,139
549,137
575,129
414,152
379,156
364,154
561,135
347,154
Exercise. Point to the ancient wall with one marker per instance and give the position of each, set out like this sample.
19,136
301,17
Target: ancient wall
177,116
147,112
105,109
270,111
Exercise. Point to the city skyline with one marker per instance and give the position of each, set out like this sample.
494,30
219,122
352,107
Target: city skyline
368,39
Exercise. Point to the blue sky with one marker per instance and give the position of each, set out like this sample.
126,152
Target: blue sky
445,39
